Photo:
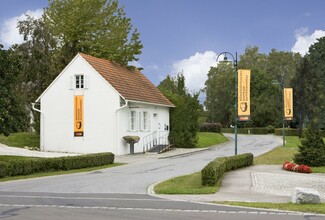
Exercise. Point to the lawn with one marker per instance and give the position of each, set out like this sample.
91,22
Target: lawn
22,139
207,139
188,184
284,153
310,208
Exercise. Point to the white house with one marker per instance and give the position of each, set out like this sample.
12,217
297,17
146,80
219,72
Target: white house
93,103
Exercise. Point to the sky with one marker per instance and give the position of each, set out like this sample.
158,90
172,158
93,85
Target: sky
187,35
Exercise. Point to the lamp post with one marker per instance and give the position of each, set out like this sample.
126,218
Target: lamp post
234,61
283,119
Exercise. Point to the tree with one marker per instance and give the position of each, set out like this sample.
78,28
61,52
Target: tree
306,105
265,91
219,89
312,148
13,115
184,118
39,60
96,27
317,57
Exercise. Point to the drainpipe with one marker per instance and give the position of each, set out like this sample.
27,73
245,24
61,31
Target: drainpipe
116,123
42,125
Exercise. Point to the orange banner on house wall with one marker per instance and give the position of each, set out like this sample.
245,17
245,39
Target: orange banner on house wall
288,103
79,116
244,111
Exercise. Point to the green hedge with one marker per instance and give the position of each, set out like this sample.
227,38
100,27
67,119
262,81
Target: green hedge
35,165
288,132
293,132
246,130
214,171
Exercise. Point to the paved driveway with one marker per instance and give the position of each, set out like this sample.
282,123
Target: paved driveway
144,171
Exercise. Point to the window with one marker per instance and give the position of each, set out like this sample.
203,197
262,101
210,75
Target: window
145,121
133,121
79,81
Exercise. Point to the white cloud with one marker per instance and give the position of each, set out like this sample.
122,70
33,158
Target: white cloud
9,33
304,41
195,69
135,64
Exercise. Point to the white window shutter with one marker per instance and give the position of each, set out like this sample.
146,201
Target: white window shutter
72,82
86,81
140,122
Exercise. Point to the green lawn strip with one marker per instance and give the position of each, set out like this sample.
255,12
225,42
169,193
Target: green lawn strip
188,184
310,208
207,139
282,154
21,140
60,172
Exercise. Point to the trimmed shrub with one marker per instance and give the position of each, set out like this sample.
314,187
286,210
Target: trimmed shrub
214,171
3,169
245,130
34,165
288,132
211,127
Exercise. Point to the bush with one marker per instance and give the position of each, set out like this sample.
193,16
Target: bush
211,127
296,168
214,171
270,129
3,169
288,132
34,165
312,149
246,130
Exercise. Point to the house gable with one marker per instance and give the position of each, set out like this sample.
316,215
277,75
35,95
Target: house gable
131,84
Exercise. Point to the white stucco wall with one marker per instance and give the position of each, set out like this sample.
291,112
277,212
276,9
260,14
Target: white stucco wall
100,104
158,124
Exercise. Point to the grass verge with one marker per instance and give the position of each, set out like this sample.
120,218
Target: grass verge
311,208
188,184
207,139
281,154
55,173
22,139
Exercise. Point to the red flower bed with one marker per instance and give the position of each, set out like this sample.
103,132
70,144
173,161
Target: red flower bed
297,168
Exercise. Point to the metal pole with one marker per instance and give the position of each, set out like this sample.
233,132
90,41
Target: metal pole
283,130
236,111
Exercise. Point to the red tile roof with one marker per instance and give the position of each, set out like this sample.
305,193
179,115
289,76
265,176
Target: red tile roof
131,84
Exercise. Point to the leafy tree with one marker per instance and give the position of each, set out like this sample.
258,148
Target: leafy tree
184,118
312,148
265,91
317,57
220,96
13,115
306,105
96,27
38,55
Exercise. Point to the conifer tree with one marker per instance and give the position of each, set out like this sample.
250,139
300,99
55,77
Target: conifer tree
312,148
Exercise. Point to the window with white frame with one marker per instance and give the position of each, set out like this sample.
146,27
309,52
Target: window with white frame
79,81
145,121
133,121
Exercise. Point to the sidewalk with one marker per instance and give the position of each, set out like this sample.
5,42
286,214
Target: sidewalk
260,183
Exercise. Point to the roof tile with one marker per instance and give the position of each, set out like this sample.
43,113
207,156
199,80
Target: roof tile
131,84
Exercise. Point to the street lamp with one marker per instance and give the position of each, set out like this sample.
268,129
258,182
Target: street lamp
234,61
283,119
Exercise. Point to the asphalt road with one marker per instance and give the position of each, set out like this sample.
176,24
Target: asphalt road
121,192
68,206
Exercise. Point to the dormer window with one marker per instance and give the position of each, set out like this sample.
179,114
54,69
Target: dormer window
79,81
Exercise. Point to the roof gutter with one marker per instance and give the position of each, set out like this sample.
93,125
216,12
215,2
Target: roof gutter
151,103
